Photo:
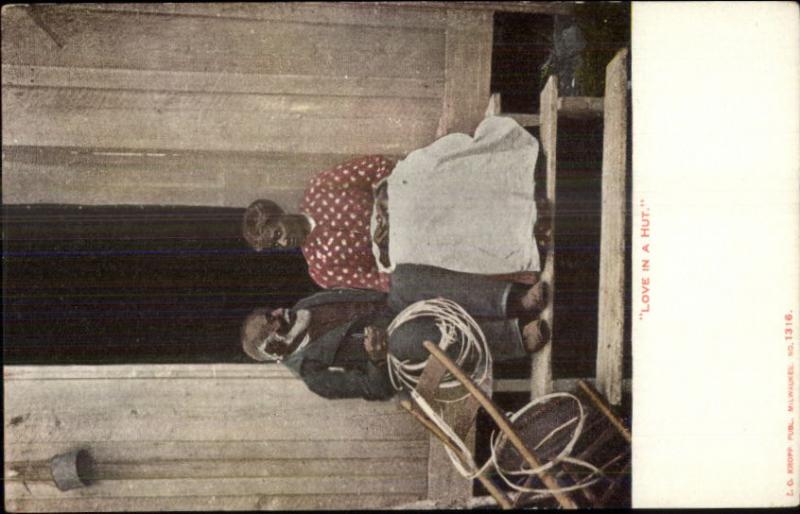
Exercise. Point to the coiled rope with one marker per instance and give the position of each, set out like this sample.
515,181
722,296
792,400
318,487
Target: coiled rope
456,328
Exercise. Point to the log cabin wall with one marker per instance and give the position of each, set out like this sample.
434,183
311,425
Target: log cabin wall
219,104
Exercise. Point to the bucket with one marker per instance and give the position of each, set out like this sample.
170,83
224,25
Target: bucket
70,469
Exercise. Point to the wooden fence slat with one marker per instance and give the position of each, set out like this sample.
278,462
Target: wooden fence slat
611,301
542,370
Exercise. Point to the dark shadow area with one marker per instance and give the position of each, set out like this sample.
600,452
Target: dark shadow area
130,284
522,44
577,237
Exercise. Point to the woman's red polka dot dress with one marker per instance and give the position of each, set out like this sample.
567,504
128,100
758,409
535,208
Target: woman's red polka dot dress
339,248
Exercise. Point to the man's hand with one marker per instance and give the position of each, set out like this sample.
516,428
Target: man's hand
375,343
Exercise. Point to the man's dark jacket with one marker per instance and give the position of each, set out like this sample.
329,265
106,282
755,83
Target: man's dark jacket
335,365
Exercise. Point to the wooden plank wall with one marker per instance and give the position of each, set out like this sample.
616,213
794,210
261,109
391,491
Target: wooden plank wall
220,104
204,437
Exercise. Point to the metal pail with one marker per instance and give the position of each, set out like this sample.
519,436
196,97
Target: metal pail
70,469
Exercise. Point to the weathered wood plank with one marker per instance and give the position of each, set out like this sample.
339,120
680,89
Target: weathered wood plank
542,369
27,183
219,426
468,66
215,131
189,43
211,130
118,167
611,301
58,99
221,486
211,503
346,469
191,409
146,371
526,120
189,395
580,106
215,82
120,451
314,13
445,483
107,176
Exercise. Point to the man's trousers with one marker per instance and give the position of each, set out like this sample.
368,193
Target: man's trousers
483,298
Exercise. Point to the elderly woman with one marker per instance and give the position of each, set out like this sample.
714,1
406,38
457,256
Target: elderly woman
333,227
462,203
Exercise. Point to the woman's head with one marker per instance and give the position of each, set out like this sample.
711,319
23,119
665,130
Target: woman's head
266,226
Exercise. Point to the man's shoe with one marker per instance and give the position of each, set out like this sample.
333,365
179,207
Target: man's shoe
535,335
535,299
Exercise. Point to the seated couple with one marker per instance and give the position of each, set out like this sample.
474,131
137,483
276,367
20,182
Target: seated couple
336,341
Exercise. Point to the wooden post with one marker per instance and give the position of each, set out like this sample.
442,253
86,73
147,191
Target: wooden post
542,372
611,302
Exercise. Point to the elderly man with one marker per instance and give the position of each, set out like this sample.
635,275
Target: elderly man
333,229
336,342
